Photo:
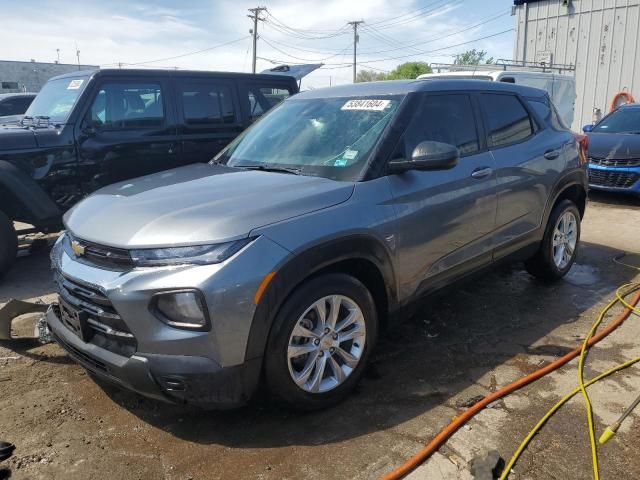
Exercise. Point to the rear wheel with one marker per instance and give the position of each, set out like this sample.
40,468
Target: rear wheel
559,245
8,244
320,342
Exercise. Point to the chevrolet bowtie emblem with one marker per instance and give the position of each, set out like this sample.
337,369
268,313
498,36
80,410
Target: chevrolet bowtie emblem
77,248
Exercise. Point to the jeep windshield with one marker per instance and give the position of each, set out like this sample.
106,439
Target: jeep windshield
326,137
56,100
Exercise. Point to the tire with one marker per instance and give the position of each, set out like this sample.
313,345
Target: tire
544,264
299,311
8,244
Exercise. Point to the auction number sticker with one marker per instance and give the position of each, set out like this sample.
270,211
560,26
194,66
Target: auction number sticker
366,104
75,84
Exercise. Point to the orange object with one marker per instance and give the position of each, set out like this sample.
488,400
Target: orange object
263,286
471,412
625,95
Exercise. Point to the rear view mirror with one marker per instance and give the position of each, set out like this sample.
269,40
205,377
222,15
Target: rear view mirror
428,156
588,128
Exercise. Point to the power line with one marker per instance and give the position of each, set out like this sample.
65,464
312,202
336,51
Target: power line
303,59
178,56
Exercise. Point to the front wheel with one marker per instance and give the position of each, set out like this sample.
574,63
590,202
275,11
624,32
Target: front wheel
559,244
321,342
8,244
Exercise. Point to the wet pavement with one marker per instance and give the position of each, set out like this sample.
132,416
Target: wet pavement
462,344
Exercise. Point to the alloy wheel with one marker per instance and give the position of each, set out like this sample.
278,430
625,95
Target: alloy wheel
326,344
565,238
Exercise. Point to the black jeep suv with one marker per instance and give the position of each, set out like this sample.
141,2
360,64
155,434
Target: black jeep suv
89,129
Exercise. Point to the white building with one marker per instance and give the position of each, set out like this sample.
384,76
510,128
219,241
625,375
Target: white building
600,37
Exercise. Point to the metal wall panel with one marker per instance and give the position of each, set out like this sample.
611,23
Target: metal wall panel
600,37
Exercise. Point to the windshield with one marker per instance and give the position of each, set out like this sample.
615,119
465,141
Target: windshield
56,99
327,137
625,120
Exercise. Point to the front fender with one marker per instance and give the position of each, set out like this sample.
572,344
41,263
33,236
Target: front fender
22,199
305,264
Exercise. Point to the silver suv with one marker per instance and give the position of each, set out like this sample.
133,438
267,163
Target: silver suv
282,260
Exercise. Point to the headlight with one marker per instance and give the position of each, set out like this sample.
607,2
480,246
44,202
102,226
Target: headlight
181,309
193,255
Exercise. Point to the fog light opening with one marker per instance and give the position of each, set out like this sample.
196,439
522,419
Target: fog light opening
184,309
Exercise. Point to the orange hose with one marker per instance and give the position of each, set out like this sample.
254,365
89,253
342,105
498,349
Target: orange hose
468,414
626,95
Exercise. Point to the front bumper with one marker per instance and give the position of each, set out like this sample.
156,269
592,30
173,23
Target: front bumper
170,378
614,179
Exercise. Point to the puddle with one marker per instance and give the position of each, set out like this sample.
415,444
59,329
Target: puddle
582,275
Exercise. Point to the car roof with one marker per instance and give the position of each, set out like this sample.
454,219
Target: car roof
403,87
155,73
17,94
629,106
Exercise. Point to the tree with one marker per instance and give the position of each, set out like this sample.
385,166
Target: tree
370,76
472,57
408,71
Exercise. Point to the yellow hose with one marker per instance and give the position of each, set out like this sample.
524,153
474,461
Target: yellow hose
549,414
621,293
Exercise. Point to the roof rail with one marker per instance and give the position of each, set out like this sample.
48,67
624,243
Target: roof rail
503,64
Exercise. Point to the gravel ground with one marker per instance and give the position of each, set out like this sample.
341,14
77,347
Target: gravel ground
460,345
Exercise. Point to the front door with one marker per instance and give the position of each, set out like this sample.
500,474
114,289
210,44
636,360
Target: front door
128,131
447,217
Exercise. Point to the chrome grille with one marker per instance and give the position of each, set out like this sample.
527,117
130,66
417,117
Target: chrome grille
614,162
99,255
605,178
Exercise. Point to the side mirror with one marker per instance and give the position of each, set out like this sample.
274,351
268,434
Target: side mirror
427,156
588,128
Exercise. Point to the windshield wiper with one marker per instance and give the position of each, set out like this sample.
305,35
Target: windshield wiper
265,168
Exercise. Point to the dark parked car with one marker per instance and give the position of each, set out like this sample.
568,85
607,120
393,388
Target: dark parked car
13,106
614,151
281,259
86,130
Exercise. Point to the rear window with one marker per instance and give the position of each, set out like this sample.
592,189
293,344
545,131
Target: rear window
507,119
207,104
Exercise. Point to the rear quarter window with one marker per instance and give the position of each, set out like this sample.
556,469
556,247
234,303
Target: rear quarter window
547,112
507,120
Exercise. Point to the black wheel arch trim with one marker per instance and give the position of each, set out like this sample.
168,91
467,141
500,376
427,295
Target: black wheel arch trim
20,193
304,265
576,177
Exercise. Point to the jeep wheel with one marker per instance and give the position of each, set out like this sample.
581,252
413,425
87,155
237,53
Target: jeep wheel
559,245
8,244
320,342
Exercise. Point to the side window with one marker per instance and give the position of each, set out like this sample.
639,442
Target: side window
122,105
207,104
546,111
22,104
6,108
443,118
507,119
262,99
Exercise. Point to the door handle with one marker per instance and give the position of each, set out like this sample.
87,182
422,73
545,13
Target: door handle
481,172
551,154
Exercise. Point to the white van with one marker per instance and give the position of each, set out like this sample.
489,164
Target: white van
561,88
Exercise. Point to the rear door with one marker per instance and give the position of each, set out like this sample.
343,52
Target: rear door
128,130
208,115
529,157
447,217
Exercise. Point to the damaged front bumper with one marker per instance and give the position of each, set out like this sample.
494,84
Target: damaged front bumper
171,378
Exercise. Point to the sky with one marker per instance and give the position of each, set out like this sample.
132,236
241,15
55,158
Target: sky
166,34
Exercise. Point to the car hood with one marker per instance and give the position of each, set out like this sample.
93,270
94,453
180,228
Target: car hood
198,204
617,146
14,136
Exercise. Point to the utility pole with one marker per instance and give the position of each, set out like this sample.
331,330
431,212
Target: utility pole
355,24
255,16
